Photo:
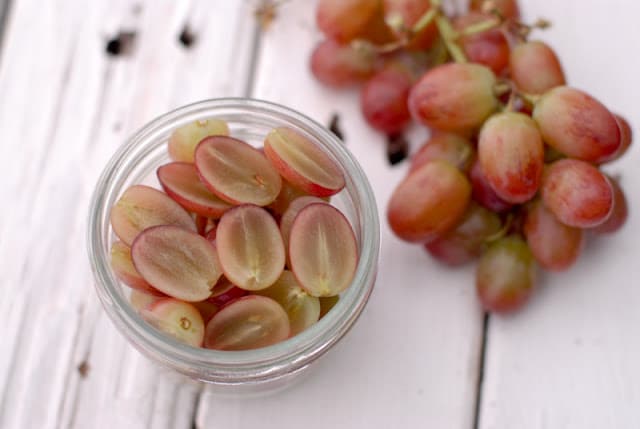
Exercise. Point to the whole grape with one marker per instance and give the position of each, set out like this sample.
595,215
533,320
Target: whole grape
383,99
535,67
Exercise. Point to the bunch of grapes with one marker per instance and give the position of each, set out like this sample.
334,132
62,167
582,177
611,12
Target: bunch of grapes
511,171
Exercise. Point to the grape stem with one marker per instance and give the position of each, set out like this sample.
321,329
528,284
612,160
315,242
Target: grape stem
481,27
502,232
449,37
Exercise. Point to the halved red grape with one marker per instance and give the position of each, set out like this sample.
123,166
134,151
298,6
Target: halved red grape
231,293
453,148
207,309
338,65
322,250
202,222
489,48
483,193
294,208
577,124
327,303
345,20
410,12
287,194
250,322
505,278
511,155
236,172
177,262
181,182
577,193
555,246
428,202
467,240
303,309
302,163
141,300
183,141
535,68
141,207
123,268
507,8
383,99
180,320
250,247
619,213
454,97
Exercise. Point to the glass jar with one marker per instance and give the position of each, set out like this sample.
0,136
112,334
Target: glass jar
249,120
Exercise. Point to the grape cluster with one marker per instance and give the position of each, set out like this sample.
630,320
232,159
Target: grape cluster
511,171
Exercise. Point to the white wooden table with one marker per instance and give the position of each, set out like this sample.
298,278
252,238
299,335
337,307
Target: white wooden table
419,357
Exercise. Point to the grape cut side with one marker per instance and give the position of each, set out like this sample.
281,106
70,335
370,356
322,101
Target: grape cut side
247,323
302,163
322,250
250,246
123,268
236,172
181,182
178,319
141,207
183,141
180,263
292,211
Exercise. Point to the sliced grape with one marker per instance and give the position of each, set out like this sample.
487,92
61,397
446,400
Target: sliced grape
577,193
207,309
428,202
211,233
505,278
231,293
236,172
327,303
337,65
180,320
302,163
287,194
141,300
294,208
303,309
247,323
555,246
447,147
383,99
123,268
535,68
483,193
250,247
511,155
468,239
322,250
181,182
454,97
178,262
619,213
184,140
577,124
141,207
201,224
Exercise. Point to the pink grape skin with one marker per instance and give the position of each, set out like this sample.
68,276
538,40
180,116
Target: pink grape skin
338,66
507,8
577,124
577,193
535,68
345,20
619,213
454,97
178,319
554,245
505,277
428,202
466,241
410,11
383,100
511,155
626,135
184,139
483,193
489,48
122,266
453,148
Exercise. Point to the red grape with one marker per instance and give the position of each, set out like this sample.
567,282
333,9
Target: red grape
447,147
507,8
345,20
511,155
625,137
483,193
429,202
577,193
619,213
577,124
554,245
535,68
338,65
466,242
490,47
505,277
383,99
454,97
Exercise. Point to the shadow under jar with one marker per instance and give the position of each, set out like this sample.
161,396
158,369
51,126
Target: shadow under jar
251,370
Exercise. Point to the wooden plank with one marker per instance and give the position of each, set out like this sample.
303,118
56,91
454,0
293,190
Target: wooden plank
570,360
70,107
411,360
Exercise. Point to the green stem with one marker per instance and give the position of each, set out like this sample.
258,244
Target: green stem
481,27
503,231
449,36
501,88
425,20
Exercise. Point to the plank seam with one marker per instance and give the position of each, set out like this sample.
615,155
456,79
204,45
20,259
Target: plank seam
481,367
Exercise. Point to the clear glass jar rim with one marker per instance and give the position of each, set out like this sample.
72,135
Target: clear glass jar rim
242,366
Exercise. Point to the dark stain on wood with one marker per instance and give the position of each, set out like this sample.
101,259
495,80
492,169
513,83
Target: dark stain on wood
334,126
397,148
